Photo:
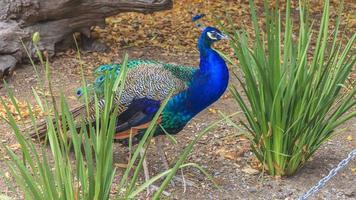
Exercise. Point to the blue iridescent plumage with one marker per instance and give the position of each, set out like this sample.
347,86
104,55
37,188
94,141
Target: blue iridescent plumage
197,17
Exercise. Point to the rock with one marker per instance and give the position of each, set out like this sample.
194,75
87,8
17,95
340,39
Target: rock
349,193
90,45
252,190
7,65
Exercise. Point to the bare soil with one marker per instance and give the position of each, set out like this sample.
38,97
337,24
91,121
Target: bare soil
223,152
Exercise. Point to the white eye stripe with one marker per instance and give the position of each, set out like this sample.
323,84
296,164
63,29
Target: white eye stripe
211,36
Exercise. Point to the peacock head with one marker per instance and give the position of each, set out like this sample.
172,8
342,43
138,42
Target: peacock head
209,36
213,34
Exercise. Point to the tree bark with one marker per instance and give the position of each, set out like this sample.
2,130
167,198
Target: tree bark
56,21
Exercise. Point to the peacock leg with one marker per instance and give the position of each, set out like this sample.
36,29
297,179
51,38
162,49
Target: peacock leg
162,154
159,141
145,169
147,175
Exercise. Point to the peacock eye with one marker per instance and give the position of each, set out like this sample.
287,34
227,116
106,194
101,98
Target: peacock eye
101,68
212,35
79,92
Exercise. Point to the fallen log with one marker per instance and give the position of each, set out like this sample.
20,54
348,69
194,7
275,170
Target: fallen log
56,21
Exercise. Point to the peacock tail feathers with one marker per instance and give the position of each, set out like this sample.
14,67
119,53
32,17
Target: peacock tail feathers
102,69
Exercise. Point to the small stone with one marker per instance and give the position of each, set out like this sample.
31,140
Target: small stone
252,189
349,193
289,192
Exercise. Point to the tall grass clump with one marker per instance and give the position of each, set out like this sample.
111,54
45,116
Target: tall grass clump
78,165
294,85
79,161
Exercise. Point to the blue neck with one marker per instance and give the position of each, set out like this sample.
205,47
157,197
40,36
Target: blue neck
204,46
210,81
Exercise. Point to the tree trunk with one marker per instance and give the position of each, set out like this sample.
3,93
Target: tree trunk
56,21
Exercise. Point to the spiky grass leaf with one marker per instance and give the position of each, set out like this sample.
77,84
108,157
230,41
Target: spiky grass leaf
294,103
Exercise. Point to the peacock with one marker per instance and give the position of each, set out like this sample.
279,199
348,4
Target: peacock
150,82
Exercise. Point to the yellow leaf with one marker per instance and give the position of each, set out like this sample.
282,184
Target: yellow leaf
212,110
7,175
353,170
349,138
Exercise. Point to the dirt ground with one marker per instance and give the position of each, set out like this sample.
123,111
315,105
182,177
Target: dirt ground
223,152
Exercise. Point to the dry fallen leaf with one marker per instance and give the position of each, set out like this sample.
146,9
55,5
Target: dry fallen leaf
226,96
250,170
15,146
349,138
73,98
227,154
22,106
212,110
7,175
122,165
353,170
255,163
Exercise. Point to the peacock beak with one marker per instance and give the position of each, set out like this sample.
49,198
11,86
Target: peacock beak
223,36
